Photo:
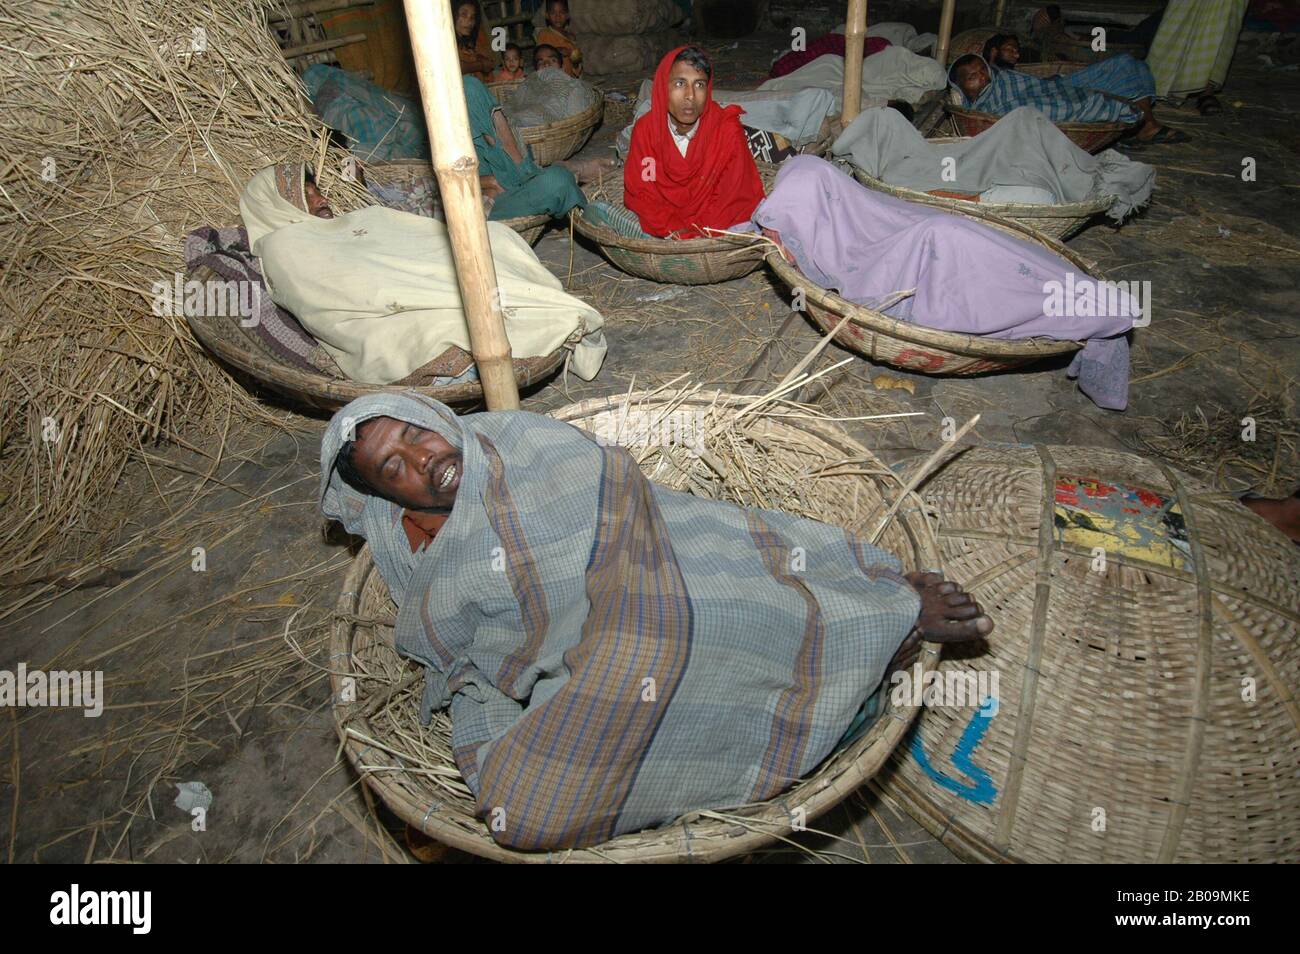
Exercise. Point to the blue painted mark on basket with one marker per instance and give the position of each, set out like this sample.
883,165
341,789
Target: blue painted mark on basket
982,791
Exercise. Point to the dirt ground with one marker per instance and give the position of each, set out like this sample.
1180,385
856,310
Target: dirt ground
217,674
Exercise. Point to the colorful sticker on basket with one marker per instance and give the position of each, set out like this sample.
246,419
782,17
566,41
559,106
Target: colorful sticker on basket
1134,522
980,789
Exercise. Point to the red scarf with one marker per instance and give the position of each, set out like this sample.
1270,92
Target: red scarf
715,185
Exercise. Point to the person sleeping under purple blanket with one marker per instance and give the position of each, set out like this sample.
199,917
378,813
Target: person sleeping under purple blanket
967,277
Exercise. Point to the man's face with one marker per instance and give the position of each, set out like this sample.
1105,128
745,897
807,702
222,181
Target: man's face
972,78
557,15
464,19
545,58
317,204
688,95
410,466
1009,52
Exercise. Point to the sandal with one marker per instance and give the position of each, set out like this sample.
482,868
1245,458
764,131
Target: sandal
1208,105
1165,136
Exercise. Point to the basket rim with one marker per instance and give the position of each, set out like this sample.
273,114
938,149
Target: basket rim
520,223
607,237
1065,127
573,124
323,390
840,773
1067,210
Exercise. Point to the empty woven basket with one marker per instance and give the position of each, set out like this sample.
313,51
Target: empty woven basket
803,466
1146,645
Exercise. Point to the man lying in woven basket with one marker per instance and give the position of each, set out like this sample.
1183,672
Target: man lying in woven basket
1119,89
615,654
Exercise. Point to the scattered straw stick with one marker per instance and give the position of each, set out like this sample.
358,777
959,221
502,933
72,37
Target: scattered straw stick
811,356
920,474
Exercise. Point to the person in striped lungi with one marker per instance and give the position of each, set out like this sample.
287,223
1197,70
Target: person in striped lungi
1192,50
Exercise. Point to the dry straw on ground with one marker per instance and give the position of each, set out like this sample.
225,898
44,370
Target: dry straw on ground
124,124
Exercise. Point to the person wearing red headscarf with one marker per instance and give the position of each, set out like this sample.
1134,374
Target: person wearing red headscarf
689,167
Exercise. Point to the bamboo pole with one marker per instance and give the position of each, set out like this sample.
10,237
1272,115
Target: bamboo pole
854,38
999,13
945,31
438,69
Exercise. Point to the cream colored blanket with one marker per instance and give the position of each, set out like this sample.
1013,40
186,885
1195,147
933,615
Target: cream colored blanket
377,287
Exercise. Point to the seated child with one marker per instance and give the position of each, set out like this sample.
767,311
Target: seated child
512,65
557,36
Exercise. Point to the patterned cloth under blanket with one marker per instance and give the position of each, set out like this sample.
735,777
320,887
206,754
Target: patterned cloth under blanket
960,275
548,96
226,252
644,652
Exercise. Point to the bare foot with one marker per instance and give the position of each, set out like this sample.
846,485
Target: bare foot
588,170
1281,512
948,615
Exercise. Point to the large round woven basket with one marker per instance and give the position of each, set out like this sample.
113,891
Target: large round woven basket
702,261
914,347
1090,137
552,142
804,466
241,349
1055,221
1147,653
407,173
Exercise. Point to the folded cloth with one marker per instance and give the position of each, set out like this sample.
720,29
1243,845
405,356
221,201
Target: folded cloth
615,654
1021,149
796,115
894,73
962,276
898,34
379,123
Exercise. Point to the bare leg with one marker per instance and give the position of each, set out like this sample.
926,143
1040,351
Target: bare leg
589,170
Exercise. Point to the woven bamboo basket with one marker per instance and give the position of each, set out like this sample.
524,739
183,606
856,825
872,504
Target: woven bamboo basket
1091,137
808,467
1055,221
1146,706
702,261
553,142
618,112
243,351
402,172
913,347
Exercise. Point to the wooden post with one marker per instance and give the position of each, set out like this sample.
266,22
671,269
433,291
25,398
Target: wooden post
437,67
999,12
854,37
945,31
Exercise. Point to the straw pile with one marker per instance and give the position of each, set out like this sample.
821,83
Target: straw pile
123,125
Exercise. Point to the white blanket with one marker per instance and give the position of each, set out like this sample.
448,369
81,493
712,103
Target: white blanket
893,73
377,287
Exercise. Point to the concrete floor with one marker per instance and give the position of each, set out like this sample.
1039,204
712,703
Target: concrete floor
215,675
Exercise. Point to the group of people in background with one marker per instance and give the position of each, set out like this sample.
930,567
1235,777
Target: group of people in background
556,47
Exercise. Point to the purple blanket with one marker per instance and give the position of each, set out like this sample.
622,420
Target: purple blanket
967,277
